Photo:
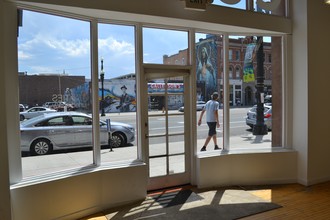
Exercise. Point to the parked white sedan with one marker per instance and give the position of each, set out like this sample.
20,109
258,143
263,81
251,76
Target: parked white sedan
34,111
68,130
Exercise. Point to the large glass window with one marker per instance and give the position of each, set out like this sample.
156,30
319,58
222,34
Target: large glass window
56,89
257,121
242,89
239,4
54,80
117,91
275,7
209,80
230,55
238,74
171,46
230,72
237,56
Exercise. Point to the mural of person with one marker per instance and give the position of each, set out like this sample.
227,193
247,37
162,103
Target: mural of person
125,100
205,71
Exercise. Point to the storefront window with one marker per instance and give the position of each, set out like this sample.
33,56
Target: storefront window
247,133
56,93
209,80
117,94
54,81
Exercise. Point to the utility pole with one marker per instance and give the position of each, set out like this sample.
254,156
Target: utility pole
260,128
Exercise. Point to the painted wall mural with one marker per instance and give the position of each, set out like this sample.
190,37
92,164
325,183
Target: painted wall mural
207,70
79,97
119,96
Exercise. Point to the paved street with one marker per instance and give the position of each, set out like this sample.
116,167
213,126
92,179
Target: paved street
176,123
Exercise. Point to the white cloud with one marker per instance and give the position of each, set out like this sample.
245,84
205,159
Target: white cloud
42,69
73,48
23,56
117,47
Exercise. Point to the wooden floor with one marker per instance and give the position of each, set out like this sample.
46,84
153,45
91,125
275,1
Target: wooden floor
297,201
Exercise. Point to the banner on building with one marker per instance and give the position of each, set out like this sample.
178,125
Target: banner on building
248,72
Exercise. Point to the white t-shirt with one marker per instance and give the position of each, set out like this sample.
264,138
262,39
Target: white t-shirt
210,107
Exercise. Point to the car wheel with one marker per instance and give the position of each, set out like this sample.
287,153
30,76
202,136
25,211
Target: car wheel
21,117
41,147
117,140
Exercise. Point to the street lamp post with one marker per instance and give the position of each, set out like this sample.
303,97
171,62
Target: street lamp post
260,128
102,87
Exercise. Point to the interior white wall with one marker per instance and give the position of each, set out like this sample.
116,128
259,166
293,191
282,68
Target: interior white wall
300,87
81,195
4,168
247,169
318,33
310,51
8,107
169,12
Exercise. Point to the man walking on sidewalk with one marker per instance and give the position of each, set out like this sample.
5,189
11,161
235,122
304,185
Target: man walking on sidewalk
212,120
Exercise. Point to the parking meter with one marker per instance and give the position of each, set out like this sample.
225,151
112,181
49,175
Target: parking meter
109,133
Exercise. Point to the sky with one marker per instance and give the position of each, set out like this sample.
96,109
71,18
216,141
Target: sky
49,44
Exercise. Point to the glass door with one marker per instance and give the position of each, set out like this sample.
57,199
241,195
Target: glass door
166,137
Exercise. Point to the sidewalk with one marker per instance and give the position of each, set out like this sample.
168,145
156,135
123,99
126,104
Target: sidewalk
39,165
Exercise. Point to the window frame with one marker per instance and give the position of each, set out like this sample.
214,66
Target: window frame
138,38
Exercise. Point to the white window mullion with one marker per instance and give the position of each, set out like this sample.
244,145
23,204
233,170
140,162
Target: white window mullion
286,53
141,93
226,92
95,98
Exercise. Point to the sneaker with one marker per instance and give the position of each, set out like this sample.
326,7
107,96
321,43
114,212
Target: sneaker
216,147
203,148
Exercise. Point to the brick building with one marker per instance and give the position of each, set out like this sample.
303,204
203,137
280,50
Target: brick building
38,89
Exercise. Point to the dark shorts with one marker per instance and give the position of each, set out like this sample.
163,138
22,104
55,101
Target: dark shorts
212,127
